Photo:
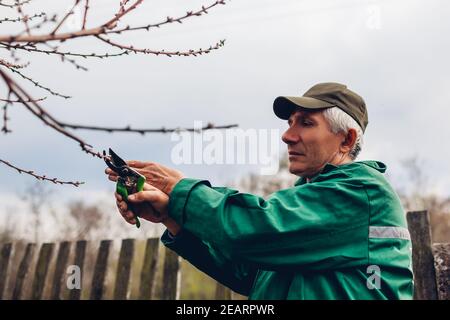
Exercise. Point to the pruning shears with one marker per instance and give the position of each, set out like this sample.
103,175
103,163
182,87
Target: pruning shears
129,181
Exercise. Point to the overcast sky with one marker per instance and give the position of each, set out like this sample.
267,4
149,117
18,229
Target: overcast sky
393,53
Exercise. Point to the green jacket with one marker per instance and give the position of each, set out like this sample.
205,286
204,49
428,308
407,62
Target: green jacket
343,235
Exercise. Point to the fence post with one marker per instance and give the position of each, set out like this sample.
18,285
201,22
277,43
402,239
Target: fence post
60,268
148,271
123,269
4,262
23,270
98,280
40,275
80,251
423,261
171,276
441,253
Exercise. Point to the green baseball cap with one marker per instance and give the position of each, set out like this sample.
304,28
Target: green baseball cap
322,96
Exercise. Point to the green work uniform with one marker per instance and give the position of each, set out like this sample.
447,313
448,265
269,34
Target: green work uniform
342,235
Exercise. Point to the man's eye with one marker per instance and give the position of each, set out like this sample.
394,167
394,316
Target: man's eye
307,123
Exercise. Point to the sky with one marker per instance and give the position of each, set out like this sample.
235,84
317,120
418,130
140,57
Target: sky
393,53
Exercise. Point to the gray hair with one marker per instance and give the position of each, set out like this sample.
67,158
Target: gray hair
340,121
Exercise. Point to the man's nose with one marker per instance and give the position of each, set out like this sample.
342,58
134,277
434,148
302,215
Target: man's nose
290,136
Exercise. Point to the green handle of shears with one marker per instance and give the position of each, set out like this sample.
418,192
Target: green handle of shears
122,190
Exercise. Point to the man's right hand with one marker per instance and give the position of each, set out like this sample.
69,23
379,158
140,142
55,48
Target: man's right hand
159,176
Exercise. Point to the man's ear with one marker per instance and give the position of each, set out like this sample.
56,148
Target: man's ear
349,141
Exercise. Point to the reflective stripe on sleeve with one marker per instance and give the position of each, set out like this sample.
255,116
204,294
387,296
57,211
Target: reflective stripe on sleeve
389,232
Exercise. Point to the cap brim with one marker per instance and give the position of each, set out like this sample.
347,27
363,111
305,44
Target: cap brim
284,106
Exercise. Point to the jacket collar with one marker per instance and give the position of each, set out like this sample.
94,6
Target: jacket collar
377,165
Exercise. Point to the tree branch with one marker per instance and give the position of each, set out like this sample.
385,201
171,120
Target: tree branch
43,177
129,129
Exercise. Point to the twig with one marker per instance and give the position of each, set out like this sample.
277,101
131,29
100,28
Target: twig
24,17
162,52
113,22
19,101
86,8
19,19
43,177
49,52
14,5
5,129
168,20
13,65
64,58
39,85
65,17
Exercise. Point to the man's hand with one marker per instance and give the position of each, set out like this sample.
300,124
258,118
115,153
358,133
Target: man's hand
150,204
159,176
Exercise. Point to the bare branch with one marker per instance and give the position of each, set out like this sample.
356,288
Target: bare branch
162,52
24,17
65,17
19,101
86,8
19,19
50,52
113,22
168,20
129,129
15,4
43,177
13,65
5,129
39,85
64,58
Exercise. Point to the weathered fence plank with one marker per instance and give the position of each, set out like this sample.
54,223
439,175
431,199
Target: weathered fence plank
148,271
98,280
60,268
4,262
80,251
23,271
222,292
123,269
171,276
423,262
45,255
441,253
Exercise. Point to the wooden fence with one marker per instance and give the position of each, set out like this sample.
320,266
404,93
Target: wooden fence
47,272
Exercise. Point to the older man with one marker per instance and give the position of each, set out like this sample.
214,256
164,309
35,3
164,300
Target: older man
338,233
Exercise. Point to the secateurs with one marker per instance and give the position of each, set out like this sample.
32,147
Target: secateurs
129,181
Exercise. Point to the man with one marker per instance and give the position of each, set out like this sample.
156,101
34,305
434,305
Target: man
338,233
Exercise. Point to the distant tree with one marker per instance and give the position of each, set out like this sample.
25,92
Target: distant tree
416,195
267,184
37,196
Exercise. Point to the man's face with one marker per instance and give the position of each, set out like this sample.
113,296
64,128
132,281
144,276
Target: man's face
311,144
